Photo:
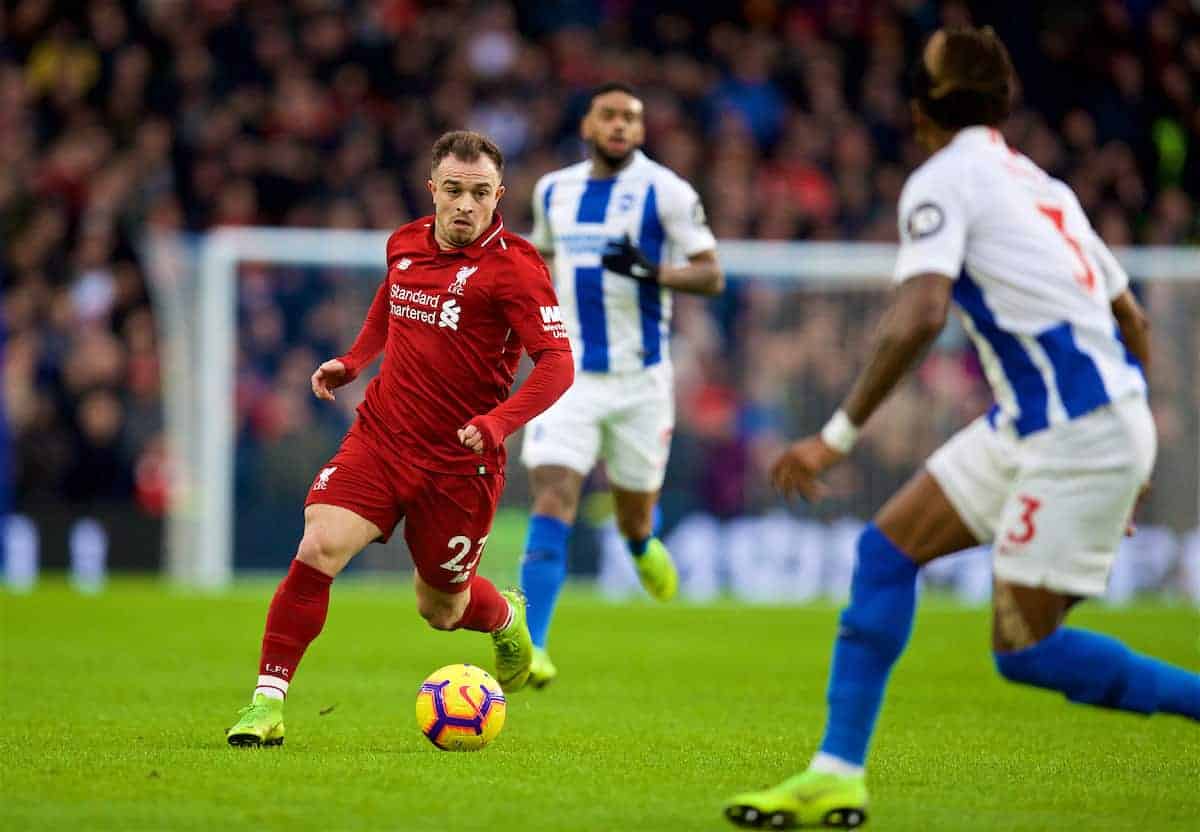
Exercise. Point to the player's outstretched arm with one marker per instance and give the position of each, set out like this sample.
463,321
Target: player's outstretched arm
913,320
1135,332
370,341
702,275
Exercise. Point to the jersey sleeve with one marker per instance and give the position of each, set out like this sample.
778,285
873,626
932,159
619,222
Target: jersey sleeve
526,299
371,338
541,236
1116,280
684,221
530,307
933,225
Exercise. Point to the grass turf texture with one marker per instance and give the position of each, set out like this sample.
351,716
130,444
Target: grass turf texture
114,710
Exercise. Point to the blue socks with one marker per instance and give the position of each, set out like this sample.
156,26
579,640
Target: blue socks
1087,667
543,571
1094,669
874,629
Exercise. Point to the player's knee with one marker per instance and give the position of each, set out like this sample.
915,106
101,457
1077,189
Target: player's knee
556,498
319,550
439,614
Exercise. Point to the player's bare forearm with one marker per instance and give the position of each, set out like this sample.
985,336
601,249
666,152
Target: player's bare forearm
1134,325
910,324
702,275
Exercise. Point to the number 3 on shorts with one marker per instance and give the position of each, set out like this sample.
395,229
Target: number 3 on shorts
1028,529
462,544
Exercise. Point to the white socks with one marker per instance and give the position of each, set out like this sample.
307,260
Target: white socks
829,764
271,686
509,619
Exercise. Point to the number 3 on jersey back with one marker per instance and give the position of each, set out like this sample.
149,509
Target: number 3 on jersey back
1086,279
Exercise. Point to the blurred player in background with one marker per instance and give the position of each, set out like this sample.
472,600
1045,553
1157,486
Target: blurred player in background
1049,476
623,231
461,299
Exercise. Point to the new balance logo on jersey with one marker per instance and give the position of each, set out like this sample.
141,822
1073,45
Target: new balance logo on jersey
552,321
450,314
460,280
323,478
403,263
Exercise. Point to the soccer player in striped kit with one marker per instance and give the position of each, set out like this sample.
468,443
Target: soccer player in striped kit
621,233
1049,477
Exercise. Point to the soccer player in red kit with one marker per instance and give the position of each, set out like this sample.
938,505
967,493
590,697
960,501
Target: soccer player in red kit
461,299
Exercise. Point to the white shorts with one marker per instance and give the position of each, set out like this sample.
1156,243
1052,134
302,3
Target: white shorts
1055,504
625,419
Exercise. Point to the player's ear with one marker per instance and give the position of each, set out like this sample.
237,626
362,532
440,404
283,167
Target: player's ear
432,187
500,192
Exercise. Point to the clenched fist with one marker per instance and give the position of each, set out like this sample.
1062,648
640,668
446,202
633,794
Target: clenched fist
480,434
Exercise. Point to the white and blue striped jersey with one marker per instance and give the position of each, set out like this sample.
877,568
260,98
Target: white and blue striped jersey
615,323
1034,282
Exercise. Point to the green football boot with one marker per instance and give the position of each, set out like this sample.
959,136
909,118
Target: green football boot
260,723
657,571
810,799
542,672
513,646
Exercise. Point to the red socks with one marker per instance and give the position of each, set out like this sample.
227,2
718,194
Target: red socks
487,611
298,612
296,617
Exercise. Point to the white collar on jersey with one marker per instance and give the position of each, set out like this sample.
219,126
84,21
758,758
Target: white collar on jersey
978,134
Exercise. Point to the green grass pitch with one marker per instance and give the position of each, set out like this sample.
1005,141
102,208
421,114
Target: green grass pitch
114,710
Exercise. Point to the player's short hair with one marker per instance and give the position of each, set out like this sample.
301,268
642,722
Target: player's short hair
606,88
974,83
468,146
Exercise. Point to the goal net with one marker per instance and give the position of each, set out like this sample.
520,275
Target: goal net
246,314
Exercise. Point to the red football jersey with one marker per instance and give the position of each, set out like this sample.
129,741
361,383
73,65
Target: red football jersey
455,322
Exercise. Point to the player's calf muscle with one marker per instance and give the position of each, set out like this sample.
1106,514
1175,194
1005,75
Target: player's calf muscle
441,610
635,513
1023,616
439,615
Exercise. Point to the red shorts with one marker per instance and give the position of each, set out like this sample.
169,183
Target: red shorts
448,515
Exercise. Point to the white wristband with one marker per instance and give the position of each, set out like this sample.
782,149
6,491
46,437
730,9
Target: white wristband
839,432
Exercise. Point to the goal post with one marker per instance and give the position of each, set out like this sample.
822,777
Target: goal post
194,281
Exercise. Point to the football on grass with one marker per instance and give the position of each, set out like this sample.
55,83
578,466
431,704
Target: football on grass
460,707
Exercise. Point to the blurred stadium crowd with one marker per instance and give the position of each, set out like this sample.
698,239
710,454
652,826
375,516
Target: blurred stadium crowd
118,118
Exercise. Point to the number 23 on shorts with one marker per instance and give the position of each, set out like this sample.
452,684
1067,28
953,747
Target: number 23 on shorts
461,546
